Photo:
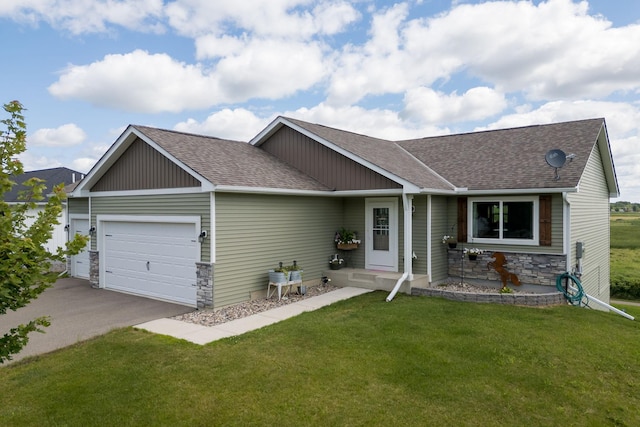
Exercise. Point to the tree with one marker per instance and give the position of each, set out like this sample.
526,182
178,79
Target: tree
25,263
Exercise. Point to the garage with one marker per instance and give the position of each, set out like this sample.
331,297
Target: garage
154,259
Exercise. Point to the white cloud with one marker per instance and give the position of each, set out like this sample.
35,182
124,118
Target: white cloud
137,81
32,161
379,123
81,16
552,50
238,124
83,164
291,19
152,83
427,105
63,136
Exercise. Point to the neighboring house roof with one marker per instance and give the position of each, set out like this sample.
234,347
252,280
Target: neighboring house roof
52,177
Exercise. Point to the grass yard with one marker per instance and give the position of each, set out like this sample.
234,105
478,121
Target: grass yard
625,252
414,361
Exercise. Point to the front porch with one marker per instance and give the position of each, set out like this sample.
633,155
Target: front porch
374,279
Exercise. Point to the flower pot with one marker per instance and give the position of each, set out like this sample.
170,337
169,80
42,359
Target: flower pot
336,266
278,277
295,276
347,246
453,245
473,257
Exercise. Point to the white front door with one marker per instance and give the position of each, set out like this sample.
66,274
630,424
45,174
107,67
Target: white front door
381,241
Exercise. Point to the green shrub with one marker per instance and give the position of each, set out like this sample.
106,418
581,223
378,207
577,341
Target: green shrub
625,287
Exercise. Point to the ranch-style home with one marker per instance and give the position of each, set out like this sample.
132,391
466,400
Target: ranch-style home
200,220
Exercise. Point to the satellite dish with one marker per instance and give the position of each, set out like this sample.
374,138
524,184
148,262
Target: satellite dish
556,159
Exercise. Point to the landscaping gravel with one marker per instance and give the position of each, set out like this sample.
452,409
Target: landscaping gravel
238,311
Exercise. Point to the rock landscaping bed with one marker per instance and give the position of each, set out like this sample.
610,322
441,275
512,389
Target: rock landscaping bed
238,311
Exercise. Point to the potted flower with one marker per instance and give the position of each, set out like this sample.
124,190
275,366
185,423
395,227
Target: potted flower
279,274
295,272
336,263
473,253
346,240
449,240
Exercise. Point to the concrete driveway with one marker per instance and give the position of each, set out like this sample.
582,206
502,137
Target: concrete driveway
79,312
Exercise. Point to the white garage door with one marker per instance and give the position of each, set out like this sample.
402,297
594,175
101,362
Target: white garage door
151,259
80,262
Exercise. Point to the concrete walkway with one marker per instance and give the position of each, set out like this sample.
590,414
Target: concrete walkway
199,334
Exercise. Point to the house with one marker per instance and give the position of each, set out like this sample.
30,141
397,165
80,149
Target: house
51,178
200,220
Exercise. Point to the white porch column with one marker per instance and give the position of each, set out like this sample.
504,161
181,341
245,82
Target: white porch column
407,202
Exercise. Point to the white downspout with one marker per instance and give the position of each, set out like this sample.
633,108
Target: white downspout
567,229
429,235
407,203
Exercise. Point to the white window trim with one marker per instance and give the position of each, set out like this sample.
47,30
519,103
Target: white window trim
501,241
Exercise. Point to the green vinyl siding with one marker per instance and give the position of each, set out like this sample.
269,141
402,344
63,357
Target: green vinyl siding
256,232
354,219
191,204
419,218
590,225
441,224
78,206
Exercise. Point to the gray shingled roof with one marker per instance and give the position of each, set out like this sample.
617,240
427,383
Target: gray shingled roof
52,177
489,160
509,158
232,163
383,153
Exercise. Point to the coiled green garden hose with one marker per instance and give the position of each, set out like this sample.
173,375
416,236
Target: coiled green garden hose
573,298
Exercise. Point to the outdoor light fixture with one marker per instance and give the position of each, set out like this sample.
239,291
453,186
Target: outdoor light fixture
66,228
202,236
92,231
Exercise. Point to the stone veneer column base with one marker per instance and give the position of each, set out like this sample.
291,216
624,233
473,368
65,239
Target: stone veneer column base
94,269
204,274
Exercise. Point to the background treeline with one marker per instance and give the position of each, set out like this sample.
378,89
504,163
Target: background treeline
625,250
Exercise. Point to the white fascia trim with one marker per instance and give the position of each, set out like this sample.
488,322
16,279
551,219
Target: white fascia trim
335,148
153,192
114,152
293,192
182,219
517,191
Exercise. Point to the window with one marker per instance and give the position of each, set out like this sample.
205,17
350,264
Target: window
508,220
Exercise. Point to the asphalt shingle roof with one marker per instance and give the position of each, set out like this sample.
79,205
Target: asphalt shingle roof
509,158
232,163
488,160
52,177
386,154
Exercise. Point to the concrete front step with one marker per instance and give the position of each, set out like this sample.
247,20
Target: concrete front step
375,280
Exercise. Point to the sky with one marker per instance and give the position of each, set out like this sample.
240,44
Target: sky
85,70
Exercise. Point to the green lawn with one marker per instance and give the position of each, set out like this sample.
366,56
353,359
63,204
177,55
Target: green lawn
413,361
625,252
